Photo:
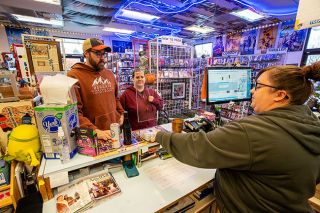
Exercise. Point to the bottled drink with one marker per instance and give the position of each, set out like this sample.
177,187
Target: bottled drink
126,130
63,146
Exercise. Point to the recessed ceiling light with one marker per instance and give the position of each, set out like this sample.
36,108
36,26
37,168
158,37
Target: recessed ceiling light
248,15
57,2
116,30
138,15
38,20
198,29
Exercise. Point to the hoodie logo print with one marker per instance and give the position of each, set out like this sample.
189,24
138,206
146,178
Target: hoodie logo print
101,85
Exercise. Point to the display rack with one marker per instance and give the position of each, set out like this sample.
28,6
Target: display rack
257,62
171,62
123,66
199,64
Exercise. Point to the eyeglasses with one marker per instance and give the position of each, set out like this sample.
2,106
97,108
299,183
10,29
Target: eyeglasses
100,54
255,86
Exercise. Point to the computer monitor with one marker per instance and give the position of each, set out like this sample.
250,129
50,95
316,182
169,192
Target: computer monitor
203,50
225,84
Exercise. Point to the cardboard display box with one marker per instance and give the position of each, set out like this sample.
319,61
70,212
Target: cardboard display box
49,117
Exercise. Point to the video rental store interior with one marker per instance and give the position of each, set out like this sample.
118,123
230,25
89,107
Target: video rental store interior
159,106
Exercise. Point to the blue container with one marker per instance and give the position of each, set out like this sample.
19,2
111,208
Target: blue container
4,173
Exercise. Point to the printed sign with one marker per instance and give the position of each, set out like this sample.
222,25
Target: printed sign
171,40
308,14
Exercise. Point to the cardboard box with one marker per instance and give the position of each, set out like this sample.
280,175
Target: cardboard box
317,195
49,118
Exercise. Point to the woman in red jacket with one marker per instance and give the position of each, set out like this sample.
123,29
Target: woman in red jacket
141,103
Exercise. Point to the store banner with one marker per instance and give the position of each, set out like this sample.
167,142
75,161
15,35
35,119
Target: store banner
289,38
308,14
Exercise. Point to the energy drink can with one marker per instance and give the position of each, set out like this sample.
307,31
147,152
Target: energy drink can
115,135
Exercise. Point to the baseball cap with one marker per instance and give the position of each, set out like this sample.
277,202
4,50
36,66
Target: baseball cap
94,44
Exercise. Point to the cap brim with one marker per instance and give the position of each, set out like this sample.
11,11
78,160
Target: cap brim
102,47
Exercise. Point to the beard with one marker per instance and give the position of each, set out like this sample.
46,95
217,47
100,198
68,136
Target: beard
97,66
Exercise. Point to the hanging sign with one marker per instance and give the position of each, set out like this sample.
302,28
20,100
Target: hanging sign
171,40
308,14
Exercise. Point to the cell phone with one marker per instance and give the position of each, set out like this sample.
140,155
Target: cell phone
130,169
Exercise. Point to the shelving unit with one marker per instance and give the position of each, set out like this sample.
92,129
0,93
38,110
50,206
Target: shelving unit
13,189
172,64
257,62
199,64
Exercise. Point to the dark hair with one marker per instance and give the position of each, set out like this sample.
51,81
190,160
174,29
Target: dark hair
294,80
135,70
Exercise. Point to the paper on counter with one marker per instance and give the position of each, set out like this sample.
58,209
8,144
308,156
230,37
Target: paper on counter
59,179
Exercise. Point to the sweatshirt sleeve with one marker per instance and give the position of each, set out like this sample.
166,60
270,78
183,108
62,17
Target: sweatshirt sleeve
157,101
118,103
225,147
84,121
123,100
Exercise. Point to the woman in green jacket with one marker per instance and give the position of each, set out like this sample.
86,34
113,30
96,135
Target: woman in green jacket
268,162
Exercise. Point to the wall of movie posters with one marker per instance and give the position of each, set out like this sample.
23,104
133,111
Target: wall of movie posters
262,41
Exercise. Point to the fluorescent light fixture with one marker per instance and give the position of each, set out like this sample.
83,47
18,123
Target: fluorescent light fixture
138,15
198,29
38,20
56,2
248,15
116,30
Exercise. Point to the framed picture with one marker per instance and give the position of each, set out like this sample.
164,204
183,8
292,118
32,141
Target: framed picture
9,61
178,90
44,56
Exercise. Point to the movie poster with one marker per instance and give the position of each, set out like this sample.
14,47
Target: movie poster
14,35
248,42
291,39
267,37
233,42
218,46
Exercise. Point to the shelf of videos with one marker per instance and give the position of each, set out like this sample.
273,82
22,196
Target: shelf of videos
235,111
257,62
199,64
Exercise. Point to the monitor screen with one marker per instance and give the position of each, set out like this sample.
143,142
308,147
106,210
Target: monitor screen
314,38
226,84
203,50
73,46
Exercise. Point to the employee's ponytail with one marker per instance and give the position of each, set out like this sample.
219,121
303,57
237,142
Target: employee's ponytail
312,72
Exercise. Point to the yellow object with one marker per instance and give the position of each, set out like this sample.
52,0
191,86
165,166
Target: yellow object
24,144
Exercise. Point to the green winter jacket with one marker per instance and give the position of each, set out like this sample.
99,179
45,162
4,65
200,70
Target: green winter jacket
269,162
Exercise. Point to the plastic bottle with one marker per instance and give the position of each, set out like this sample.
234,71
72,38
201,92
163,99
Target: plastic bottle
63,146
126,130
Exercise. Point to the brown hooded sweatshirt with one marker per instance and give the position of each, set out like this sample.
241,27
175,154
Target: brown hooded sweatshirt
97,92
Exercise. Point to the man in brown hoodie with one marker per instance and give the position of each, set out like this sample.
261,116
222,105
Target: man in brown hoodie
97,91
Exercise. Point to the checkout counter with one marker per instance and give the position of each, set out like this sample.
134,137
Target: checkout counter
160,184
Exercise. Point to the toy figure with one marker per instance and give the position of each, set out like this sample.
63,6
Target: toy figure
24,145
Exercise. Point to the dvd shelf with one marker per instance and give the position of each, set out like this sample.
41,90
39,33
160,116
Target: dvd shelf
172,64
199,64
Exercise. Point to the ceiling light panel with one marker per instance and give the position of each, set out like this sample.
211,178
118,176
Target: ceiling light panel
56,2
138,15
38,20
248,15
116,30
198,29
